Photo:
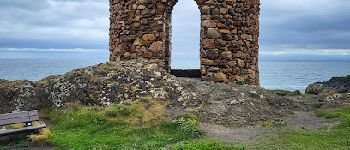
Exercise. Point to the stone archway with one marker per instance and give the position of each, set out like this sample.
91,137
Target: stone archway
168,31
229,36
187,30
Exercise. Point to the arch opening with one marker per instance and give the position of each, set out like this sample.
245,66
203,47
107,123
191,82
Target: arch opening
185,39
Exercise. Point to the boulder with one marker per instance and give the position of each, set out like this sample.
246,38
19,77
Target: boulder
335,84
317,89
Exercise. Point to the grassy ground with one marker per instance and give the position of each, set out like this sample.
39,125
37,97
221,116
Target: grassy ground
300,139
280,92
126,127
205,144
14,142
140,126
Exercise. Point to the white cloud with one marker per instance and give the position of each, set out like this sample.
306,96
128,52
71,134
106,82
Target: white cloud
186,35
50,50
287,26
79,20
295,51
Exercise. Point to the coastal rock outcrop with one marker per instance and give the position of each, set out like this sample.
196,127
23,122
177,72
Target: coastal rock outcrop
124,82
334,85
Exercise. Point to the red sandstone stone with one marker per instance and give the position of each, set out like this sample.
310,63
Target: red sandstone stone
220,77
148,37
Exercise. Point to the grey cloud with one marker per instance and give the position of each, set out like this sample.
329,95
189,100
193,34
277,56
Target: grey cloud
53,21
305,24
186,31
285,24
24,4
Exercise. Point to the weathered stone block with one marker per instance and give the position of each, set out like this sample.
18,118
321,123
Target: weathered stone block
220,77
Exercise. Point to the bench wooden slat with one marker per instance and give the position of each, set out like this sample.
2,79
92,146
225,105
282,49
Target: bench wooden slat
19,117
14,131
19,120
19,114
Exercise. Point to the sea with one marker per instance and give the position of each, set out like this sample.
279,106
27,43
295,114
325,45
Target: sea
286,75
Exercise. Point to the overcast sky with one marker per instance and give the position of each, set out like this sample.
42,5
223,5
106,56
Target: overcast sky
288,27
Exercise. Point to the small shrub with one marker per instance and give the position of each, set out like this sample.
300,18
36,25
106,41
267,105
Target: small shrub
280,92
187,120
204,145
186,124
119,111
324,127
241,82
14,142
42,137
149,111
274,124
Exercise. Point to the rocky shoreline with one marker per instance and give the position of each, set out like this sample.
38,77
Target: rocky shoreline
109,83
334,85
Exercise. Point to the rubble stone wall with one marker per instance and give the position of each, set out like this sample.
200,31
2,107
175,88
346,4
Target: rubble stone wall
229,36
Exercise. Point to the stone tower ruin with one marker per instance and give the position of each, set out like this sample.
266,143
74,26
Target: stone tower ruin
229,36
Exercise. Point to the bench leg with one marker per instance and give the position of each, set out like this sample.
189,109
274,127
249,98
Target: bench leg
36,131
29,124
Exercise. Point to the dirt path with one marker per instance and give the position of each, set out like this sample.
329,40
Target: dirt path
309,120
236,135
300,120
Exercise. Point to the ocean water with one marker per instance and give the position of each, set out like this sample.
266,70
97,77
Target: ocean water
35,65
298,75
36,69
273,75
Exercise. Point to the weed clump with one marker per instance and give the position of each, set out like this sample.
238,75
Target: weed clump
280,92
241,82
185,124
206,144
119,111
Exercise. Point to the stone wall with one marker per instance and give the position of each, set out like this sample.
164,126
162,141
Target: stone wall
229,35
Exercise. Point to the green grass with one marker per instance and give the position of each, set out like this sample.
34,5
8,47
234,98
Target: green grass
299,139
115,128
134,127
15,142
341,113
241,82
280,92
344,114
204,144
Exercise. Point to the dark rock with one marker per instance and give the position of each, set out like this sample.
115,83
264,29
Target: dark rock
190,73
233,48
317,89
295,93
338,84
232,12
227,37
215,11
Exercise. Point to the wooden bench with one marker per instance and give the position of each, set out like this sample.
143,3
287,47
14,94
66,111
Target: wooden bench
26,117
